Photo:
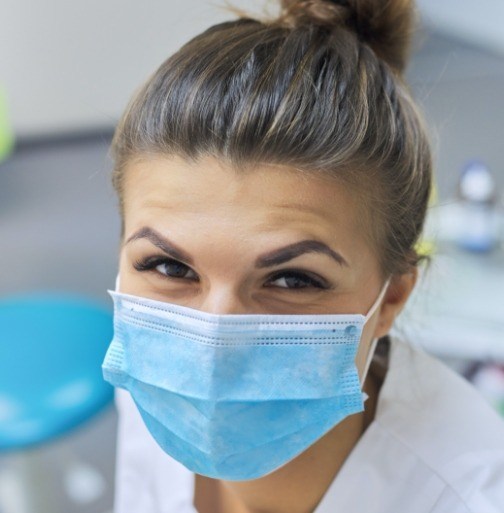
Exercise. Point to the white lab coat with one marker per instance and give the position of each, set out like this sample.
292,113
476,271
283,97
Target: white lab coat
435,446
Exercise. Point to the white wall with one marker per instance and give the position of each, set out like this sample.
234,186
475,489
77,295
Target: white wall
70,65
478,22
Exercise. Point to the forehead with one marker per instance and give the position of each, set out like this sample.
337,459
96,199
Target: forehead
268,198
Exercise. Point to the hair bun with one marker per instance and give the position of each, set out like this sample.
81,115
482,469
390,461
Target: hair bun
385,25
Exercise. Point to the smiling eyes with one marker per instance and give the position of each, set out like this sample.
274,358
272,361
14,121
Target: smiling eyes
295,280
290,279
175,269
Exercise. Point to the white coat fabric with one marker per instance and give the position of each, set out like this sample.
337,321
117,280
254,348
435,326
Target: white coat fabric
435,446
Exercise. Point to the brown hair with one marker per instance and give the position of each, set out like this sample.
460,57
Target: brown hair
319,88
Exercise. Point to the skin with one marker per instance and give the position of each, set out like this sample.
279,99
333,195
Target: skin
224,220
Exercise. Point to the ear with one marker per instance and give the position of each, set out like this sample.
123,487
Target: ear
398,292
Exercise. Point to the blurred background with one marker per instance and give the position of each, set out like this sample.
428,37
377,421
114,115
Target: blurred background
67,70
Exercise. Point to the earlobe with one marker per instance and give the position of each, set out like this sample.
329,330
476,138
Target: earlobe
398,292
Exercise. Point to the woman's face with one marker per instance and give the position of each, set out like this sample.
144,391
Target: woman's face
271,240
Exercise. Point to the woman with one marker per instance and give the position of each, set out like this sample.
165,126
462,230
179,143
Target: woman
273,179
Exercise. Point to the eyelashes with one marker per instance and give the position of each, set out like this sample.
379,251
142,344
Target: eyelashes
287,279
296,280
153,263
147,264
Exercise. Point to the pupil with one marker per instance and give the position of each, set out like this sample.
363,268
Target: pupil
175,269
295,282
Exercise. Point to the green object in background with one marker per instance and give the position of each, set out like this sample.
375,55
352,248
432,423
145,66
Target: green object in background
6,135
426,246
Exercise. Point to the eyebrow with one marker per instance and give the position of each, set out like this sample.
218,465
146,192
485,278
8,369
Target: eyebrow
282,255
275,257
162,243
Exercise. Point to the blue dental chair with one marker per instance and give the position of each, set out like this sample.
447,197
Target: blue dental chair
51,350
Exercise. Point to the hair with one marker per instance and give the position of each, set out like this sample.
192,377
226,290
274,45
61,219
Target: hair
319,88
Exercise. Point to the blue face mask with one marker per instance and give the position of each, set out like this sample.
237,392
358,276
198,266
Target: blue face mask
235,397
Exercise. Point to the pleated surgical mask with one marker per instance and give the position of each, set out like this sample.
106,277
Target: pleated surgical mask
235,397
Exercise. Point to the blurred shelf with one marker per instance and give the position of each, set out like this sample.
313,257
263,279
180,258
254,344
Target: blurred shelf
457,308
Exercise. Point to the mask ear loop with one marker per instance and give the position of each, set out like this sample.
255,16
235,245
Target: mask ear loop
376,304
117,282
374,342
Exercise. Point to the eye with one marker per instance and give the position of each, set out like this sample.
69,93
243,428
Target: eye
295,280
167,267
174,269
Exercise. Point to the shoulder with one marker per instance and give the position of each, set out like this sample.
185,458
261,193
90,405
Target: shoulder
437,417
418,386
435,446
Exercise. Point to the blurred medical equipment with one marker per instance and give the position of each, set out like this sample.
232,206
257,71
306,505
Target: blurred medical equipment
51,348
478,215
488,378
